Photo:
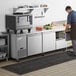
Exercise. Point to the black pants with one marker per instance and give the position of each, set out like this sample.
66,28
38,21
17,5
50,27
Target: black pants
74,46
73,36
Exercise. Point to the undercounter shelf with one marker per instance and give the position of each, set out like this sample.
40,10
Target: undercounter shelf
60,40
4,46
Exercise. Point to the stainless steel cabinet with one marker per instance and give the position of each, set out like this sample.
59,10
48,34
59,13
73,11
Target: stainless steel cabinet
18,46
34,43
48,41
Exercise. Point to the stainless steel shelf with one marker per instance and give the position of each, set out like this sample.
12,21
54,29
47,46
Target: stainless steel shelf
2,46
4,53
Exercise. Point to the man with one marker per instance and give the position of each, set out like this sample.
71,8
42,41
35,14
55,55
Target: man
71,22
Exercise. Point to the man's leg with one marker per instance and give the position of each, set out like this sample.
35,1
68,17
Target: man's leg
74,46
73,53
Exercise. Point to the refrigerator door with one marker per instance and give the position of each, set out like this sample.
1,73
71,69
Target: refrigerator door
34,44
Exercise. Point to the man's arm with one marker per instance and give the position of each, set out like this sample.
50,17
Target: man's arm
68,25
69,19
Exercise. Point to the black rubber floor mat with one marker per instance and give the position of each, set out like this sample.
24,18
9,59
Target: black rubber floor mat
39,63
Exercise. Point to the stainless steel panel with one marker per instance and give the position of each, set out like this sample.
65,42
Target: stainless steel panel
18,46
21,42
22,53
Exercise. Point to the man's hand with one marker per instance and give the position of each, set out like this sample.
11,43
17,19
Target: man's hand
67,27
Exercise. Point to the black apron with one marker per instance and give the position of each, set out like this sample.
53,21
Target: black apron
73,31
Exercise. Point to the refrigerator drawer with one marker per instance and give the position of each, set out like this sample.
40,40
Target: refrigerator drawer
34,44
61,44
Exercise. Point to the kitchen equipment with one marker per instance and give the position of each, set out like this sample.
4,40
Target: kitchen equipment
21,10
4,46
60,40
25,9
60,35
18,46
18,22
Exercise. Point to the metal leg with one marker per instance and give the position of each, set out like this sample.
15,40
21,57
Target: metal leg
17,60
6,58
66,49
15,31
